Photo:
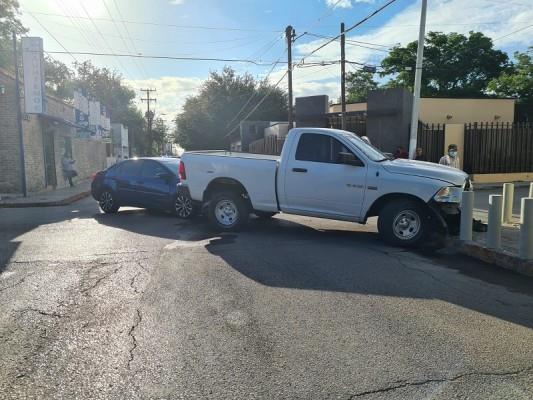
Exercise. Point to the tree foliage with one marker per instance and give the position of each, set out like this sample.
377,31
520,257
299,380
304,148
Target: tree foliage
9,23
208,117
358,84
454,65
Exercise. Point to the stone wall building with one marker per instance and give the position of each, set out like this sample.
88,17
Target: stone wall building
47,137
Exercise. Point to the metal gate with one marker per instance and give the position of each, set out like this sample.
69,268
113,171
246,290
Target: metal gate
49,159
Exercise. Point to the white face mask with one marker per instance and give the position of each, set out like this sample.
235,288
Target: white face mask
452,153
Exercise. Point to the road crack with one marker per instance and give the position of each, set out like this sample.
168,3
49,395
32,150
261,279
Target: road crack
131,333
100,279
403,384
45,313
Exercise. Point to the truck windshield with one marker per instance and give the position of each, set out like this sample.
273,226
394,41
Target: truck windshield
370,151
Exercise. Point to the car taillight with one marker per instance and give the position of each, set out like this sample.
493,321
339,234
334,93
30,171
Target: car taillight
181,171
93,176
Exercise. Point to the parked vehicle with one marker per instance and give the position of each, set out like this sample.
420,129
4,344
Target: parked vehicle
326,173
141,182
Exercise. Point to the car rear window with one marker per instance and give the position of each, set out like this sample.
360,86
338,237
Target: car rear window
171,163
130,168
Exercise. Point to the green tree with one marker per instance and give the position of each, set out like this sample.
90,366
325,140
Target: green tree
517,82
358,84
160,135
9,22
59,78
454,65
208,117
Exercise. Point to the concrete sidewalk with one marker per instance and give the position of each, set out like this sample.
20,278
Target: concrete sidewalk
59,197
506,257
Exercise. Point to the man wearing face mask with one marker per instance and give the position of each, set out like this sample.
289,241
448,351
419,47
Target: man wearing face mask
451,159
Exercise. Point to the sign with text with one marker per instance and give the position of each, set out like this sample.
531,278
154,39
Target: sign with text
33,66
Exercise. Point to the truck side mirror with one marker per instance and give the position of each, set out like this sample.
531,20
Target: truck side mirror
349,159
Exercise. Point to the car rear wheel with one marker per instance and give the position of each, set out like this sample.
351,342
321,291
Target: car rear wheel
183,206
107,202
227,211
403,223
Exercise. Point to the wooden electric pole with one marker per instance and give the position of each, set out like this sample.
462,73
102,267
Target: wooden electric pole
289,35
149,116
343,78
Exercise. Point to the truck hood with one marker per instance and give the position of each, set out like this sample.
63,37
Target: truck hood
427,170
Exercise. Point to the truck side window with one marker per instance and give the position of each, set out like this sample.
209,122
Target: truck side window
319,148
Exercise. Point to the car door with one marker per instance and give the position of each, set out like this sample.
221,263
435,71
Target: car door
127,183
317,182
154,183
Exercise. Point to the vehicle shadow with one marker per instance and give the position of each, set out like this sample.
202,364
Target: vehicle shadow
286,254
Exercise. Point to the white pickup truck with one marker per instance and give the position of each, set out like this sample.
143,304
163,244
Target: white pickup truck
326,173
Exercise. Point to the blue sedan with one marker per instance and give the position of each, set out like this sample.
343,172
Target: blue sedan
141,182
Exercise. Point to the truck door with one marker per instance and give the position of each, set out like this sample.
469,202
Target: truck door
317,182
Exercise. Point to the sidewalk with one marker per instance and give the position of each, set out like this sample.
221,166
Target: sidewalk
59,197
507,257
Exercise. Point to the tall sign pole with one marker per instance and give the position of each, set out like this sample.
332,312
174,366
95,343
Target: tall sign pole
418,81
343,78
19,119
149,116
289,34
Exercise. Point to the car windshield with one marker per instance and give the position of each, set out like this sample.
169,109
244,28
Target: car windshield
171,163
370,151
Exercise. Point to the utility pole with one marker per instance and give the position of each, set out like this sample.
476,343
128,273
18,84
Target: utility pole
19,119
289,34
149,116
343,78
418,81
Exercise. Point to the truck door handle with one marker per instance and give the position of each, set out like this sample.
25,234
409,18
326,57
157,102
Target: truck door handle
299,170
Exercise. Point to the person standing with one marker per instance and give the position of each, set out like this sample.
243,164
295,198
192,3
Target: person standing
420,156
451,159
67,164
401,152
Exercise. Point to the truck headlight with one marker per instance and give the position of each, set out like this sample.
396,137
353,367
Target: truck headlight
449,194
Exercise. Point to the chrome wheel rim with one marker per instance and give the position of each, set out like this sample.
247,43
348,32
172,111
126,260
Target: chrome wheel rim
406,225
183,206
106,201
226,212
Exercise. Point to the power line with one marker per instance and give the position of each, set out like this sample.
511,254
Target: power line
255,62
350,28
349,42
53,37
161,24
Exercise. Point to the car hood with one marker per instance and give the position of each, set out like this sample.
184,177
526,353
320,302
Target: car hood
426,170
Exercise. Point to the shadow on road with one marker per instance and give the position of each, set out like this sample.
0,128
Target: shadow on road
286,254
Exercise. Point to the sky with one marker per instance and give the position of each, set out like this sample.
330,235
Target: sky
252,30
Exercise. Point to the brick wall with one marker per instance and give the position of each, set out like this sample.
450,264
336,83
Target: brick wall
9,140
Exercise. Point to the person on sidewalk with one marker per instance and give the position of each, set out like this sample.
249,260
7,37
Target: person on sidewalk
451,159
420,156
67,165
401,152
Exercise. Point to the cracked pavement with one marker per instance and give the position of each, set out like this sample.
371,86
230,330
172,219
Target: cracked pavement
141,305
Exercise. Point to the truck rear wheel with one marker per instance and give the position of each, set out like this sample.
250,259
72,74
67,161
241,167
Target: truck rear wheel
403,223
227,211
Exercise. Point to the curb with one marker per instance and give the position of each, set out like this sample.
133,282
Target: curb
500,258
56,203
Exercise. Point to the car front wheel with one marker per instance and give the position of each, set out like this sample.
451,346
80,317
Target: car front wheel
107,202
403,223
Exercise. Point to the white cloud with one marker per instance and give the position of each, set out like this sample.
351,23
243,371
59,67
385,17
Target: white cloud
345,3
171,93
493,19
177,2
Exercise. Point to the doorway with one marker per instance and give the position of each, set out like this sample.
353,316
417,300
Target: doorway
49,159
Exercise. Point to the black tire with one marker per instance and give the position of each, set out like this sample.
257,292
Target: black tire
403,223
264,214
183,206
108,202
227,211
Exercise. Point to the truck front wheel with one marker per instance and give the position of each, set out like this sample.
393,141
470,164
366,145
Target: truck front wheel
403,223
227,211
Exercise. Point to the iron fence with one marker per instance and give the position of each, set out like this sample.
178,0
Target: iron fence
269,145
354,123
492,148
430,138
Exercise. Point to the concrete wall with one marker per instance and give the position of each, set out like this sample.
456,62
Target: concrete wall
466,110
277,129
336,108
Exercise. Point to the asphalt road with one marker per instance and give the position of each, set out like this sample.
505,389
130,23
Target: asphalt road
144,306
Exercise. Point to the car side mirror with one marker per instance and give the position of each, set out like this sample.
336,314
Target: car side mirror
349,159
